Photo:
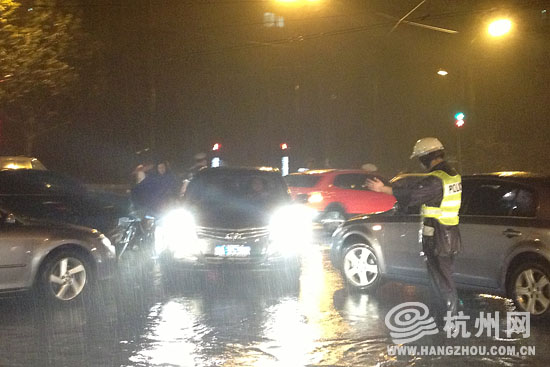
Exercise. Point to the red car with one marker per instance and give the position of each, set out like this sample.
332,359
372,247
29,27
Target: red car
338,194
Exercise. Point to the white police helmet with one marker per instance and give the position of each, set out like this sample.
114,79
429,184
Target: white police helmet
425,146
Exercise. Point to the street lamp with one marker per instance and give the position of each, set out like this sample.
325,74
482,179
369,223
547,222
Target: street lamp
442,72
499,27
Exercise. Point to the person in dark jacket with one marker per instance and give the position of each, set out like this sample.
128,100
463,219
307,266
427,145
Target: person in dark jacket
439,193
169,186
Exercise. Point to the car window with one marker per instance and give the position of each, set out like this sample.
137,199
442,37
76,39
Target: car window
353,181
302,180
501,199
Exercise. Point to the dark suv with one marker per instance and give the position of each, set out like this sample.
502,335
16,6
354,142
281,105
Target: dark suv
235,218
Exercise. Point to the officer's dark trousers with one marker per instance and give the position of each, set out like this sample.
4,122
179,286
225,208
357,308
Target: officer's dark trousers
440,269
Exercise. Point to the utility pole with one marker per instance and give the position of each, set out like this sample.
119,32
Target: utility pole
152,105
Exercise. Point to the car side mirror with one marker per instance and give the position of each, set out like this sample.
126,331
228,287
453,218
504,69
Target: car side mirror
301,199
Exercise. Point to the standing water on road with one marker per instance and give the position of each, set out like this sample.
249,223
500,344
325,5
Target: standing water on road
143,319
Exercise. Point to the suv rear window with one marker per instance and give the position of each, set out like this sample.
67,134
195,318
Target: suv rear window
302,180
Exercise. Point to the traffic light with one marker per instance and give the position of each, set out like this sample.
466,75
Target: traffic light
216,160
284,146
459,119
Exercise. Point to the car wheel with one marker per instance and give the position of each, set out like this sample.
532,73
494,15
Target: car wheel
332,218
65,277
360,267
529,288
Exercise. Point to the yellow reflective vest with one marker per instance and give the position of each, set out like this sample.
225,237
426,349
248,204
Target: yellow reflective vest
447,212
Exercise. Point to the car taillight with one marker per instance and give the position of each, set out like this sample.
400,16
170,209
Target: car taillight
315,197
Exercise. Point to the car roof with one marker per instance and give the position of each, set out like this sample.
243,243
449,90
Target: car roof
516,176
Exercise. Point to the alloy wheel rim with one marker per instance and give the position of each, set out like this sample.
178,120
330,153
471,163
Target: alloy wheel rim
533,291
67,278
361,266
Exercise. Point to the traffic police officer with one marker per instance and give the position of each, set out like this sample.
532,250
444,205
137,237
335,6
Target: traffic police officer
439,193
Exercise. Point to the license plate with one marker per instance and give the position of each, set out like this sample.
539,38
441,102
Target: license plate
232,250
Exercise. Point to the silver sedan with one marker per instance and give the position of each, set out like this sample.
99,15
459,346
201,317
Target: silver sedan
60,262
505,229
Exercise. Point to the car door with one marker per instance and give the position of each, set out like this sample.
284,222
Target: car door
345,188
495,215
351,191
15,254
402,246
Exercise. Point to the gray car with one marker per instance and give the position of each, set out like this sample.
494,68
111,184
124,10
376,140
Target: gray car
60,262
505,229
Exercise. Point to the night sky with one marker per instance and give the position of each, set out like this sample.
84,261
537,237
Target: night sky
333,82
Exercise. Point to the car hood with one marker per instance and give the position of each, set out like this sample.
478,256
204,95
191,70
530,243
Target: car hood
58,226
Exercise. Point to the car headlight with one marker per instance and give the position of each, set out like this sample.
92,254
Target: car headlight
176,232
290,230
315,197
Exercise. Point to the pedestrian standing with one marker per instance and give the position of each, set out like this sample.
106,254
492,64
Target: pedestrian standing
439,192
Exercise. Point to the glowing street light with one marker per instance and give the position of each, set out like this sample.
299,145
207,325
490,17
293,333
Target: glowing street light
500,27
442,72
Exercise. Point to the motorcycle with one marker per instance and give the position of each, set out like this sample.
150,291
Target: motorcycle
134,233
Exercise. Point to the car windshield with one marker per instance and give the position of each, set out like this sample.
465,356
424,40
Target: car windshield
250,188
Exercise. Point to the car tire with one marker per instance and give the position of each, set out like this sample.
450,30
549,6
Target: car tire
65,277
529,288
332,217
360,267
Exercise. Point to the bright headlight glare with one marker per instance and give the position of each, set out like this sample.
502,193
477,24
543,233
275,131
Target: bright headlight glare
177,233
290,230
315,197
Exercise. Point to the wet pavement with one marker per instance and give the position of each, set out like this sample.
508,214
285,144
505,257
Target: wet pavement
145,319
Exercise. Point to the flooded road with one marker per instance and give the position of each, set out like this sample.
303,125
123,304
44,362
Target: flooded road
145,319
